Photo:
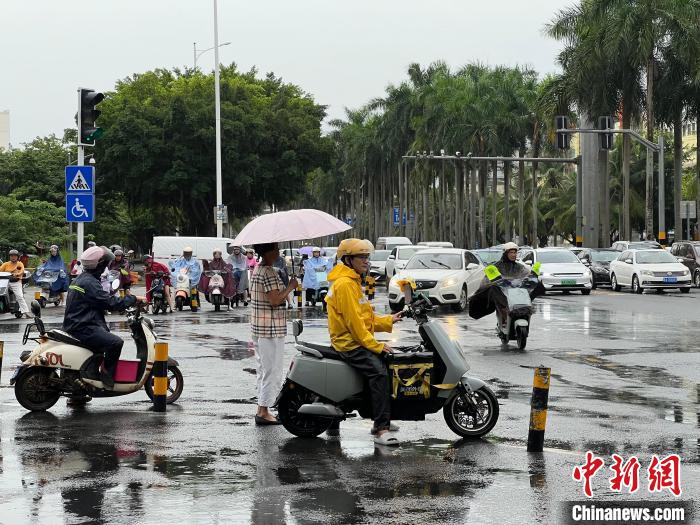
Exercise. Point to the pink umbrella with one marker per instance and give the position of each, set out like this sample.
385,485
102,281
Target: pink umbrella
293,225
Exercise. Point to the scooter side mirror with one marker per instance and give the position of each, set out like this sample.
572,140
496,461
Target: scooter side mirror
115,284
297,327
472,266
36,309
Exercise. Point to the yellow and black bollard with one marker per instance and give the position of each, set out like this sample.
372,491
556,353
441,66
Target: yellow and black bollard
160,377
298,294
370,287
538,409
2,351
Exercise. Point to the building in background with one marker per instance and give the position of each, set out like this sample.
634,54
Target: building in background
4,129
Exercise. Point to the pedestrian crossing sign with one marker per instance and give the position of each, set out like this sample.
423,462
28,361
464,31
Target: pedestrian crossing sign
80,179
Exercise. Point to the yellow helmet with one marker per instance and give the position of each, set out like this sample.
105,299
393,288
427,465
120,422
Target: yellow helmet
354,247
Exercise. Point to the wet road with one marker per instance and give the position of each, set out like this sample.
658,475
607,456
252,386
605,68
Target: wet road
624,379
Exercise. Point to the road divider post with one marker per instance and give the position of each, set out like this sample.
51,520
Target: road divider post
160,377
2,351
538,409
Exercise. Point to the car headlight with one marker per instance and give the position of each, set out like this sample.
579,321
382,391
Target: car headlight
449,282
648,273
686,272
586,273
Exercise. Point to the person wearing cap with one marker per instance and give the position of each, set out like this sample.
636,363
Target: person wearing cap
352,323
268,320
16,268
187,261
238,262
312,266
151,268
85,306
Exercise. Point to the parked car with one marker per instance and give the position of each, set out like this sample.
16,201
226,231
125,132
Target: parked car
290,254
560,269
576,250
640,269
688,253
329,252
398,258
436,244
377,264
488,255
621,246
444,275
598,261
389,243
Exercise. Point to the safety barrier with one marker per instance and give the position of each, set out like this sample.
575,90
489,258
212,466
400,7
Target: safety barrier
370,281
538,409
160,377
297,294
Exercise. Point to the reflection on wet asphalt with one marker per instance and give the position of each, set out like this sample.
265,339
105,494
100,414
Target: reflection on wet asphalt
624,380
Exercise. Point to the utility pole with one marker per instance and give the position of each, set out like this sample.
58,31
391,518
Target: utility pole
662,194
217,104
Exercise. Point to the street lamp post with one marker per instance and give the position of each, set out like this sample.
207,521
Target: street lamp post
199,52
217,97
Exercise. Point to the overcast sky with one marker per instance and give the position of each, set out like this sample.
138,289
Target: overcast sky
342,52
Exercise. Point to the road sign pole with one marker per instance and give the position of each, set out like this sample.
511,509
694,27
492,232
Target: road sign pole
662,195
81,227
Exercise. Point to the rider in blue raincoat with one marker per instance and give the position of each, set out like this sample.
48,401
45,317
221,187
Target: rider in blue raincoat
55,263
187,261
313,266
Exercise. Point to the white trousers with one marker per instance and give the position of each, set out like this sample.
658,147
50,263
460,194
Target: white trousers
19,295
269,356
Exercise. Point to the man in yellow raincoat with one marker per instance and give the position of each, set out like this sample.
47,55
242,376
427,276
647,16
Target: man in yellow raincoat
352,323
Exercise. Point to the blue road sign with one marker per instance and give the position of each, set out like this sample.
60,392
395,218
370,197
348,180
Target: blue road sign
80,207
80,179
396,215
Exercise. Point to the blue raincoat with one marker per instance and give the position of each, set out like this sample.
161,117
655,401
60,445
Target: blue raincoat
313,266
195,270
55,263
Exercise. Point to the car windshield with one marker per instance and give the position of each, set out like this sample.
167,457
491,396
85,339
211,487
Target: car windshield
605,256
697,251
489,256
557,256
655,257
380,255
406,253
330,252
643,245
435,261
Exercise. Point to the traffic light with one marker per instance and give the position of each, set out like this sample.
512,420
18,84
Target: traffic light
88,132
606,139
563,139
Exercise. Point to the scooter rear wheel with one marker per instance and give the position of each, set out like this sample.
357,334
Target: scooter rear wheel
468,421
522,339
301,425
33,389
178,303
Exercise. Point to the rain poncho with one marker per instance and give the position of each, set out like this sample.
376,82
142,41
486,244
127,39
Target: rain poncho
223,266
123,267
352,321
55,263
315,269
195,271
239,263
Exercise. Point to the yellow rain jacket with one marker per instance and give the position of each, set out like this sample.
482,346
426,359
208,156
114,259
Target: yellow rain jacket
351,319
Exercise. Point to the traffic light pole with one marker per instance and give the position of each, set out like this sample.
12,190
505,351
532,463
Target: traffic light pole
80,226
217,103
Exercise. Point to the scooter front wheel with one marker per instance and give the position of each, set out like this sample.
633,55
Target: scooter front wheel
475,418
301,425
176,383
33,389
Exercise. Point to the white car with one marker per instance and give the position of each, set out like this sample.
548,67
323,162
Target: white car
398,258
377,263
653,268
560,269
445,275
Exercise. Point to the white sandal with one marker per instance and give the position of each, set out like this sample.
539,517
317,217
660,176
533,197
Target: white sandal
388,439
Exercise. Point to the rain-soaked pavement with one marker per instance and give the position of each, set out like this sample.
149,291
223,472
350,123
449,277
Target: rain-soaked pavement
624,380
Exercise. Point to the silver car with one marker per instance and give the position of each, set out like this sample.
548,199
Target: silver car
560,269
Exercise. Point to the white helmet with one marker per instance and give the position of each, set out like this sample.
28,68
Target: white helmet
92,257
509,246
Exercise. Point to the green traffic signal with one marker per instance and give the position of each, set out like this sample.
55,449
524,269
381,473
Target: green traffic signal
88,132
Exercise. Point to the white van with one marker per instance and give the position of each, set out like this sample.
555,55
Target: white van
389,243
167,249
436,244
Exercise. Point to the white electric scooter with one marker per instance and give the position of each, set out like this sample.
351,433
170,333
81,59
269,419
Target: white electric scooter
61,366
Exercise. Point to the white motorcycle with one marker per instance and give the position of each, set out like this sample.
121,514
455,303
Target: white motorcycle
62,366
8,301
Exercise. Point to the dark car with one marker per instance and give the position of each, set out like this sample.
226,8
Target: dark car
598,260
688,253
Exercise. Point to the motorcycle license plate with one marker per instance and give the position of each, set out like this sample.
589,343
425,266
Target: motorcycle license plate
568,282
670,279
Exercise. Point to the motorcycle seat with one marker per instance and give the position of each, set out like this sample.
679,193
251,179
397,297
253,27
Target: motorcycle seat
64,337
410,357
326,351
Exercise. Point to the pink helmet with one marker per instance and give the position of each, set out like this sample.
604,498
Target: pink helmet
93,256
